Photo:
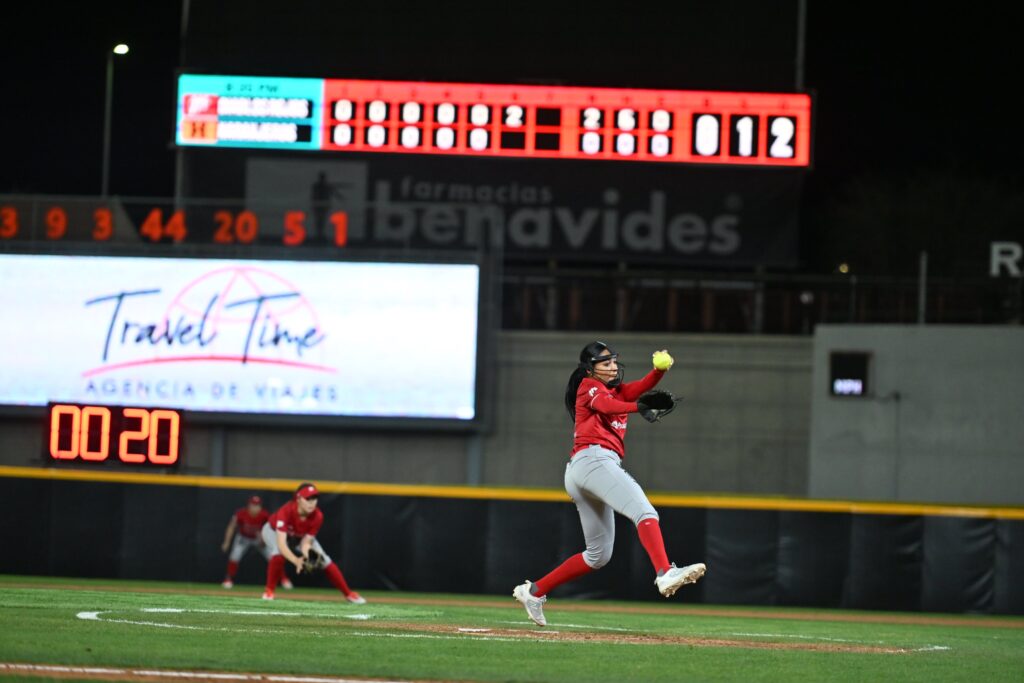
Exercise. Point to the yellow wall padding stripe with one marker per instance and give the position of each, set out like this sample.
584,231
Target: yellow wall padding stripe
667,500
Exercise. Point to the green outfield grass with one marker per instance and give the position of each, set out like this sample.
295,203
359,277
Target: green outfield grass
415,636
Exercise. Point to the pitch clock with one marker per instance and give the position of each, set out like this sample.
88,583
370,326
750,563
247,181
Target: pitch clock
100,433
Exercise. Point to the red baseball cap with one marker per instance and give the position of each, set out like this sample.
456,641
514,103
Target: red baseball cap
255,500
308,492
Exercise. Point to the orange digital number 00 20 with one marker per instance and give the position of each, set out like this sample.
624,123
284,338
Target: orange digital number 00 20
91,431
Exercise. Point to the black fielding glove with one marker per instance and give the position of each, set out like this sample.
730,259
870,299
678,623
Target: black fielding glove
315,562
656,404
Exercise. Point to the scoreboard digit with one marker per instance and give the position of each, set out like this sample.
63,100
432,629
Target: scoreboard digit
547,122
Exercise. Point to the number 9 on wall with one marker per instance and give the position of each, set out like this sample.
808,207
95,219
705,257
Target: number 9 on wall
98,433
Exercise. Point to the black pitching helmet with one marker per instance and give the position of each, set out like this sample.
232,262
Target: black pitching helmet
597,352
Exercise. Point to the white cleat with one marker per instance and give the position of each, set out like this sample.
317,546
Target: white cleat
677,577
534,605
355,598
268,595
286,584
227,583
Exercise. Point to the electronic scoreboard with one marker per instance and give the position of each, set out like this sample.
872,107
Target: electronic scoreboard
525,121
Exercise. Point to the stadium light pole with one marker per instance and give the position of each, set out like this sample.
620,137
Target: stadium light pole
119,49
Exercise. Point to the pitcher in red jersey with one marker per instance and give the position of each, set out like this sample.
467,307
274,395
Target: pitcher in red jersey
245,525
599,404
299,520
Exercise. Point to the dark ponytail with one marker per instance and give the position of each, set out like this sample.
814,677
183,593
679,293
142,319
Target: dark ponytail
571,389
588,355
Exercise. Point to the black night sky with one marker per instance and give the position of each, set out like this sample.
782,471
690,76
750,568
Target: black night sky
917,142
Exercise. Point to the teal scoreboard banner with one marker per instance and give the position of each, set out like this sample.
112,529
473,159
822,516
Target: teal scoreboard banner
249,111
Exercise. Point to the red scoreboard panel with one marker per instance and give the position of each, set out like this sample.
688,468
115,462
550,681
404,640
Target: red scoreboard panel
567,122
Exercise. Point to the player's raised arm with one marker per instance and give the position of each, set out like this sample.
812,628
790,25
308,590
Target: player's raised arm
662,362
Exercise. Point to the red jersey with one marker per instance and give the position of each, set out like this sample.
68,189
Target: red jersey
602,412
287,519
250,525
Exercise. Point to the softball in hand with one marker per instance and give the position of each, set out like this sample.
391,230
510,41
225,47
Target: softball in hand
662,361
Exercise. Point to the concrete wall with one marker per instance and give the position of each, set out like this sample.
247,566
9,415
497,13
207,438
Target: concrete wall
955,434
742,426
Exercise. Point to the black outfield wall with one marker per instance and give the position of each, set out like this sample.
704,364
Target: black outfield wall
930,562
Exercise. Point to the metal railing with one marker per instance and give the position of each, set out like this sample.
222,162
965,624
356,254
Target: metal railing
745,303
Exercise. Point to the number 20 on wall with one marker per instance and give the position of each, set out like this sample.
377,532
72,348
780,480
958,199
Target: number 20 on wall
137,435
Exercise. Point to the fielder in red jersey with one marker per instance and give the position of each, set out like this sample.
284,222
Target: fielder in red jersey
599,405
245,526
300,520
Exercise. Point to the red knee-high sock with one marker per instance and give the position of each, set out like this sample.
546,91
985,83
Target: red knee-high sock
654,544
573,568
232,569
334,574
275,569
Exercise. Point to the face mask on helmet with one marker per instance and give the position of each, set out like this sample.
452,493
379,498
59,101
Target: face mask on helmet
604,353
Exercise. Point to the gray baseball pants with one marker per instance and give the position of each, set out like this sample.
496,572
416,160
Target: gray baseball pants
600,487
241,545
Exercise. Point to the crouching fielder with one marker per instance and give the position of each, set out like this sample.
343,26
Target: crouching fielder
599,404
246,526
299,520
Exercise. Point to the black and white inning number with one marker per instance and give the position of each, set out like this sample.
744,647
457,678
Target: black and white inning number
591,121
446,115
479,137
659,144
513,121
411,135
377,112
343,111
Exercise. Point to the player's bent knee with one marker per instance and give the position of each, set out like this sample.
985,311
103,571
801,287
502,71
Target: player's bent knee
598,556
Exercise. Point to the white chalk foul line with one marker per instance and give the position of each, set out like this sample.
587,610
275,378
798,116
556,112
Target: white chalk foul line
179,610
95,616
169,673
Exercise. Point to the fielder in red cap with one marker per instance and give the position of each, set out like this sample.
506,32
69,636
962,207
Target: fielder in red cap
299,520
245,525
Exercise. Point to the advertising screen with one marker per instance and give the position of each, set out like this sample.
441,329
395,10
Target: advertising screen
293,338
